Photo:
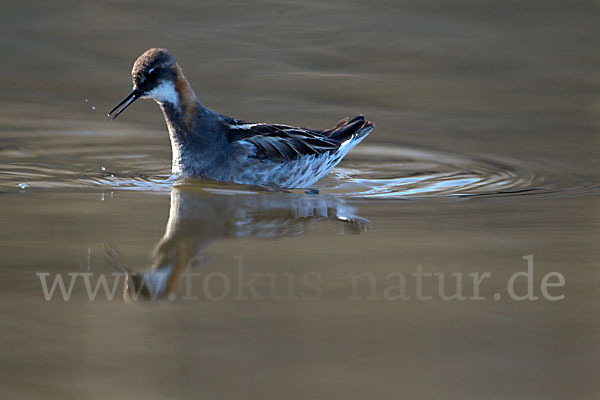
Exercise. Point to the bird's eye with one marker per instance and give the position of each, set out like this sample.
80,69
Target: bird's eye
152,72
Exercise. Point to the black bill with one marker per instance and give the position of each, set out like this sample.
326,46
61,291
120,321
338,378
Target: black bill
131,97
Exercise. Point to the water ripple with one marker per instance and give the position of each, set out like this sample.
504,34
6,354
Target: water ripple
396,172
371,171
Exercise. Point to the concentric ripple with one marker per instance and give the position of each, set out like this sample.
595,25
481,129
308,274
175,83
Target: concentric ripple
370,171
397,172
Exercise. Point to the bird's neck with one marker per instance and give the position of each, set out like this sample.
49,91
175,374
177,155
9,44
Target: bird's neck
189,105
179,103
183,120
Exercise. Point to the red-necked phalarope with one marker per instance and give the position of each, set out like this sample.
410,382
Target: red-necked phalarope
210,145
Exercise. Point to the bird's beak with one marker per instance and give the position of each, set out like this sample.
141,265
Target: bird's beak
131,97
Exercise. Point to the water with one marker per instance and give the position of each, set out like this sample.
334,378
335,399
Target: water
485,152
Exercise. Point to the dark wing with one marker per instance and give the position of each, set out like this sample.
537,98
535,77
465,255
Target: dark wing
285,143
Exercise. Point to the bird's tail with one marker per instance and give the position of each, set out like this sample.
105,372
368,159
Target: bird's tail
356,128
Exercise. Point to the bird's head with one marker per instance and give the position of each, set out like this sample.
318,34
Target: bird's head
155,75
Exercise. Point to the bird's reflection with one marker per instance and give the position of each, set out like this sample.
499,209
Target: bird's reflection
198,219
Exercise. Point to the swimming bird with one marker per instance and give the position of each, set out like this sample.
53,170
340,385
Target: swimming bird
206,144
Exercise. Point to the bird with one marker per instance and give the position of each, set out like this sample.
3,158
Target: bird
209,145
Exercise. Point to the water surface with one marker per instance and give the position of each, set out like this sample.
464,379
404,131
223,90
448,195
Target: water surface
485,151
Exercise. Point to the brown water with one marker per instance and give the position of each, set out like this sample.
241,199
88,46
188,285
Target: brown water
485,152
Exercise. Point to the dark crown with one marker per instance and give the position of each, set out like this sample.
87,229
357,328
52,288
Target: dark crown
151,60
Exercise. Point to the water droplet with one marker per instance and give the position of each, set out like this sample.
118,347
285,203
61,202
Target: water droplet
93,108
86,100
89,259
23,186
